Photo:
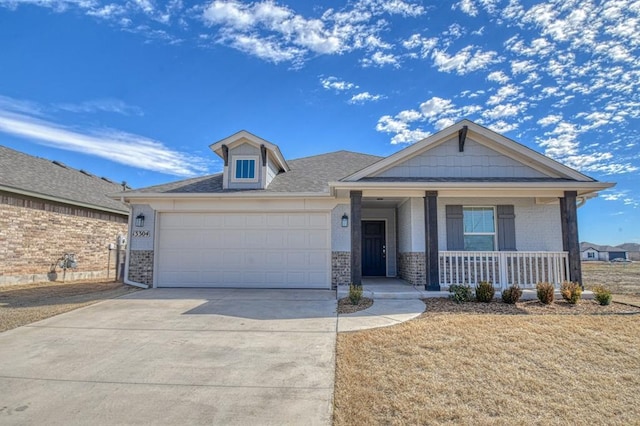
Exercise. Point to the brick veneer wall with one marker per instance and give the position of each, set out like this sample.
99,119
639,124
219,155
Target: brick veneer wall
340,268
35,234
141,266
411,267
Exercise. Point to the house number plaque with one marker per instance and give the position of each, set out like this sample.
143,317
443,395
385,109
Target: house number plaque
140,233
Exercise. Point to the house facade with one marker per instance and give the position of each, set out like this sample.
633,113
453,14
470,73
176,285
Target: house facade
50,213
461,206
590,252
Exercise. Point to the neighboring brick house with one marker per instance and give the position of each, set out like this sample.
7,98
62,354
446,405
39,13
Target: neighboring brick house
48,209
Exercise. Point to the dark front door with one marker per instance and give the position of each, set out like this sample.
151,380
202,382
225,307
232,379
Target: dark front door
374,249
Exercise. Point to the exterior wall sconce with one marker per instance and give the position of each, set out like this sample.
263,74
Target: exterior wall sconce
140,220
345,220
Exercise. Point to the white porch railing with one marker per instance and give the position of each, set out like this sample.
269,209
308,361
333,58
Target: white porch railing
503,268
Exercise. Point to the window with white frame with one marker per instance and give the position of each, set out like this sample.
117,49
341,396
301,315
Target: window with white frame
245,169
479,228
591,255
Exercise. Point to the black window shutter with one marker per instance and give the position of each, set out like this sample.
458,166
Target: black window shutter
506,228
455,228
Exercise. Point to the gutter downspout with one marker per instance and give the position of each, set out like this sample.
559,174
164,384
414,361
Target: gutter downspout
128,251
581,202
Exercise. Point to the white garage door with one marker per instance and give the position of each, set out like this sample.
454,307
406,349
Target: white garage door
268,250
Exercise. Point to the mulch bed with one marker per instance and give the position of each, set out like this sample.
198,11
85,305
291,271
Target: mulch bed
345,306
529,307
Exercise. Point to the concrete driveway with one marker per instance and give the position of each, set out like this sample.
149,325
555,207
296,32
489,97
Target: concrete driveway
176,356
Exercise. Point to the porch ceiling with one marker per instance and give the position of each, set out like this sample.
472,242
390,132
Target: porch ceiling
381,202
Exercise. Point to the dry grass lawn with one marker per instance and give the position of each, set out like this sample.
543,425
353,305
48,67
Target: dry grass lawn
491,369
24,304
623,279
458,367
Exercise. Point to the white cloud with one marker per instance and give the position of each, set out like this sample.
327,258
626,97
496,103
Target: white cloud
435,106
333,83
381,59
102,105
467,6
550,119
498,76
364,97
465,61
113,145
508,92
501,111
334,32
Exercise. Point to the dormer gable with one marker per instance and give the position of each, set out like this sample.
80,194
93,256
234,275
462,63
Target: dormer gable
250,162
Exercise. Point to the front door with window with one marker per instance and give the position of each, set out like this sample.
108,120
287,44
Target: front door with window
374,256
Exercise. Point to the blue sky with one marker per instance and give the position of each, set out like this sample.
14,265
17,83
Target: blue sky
137,90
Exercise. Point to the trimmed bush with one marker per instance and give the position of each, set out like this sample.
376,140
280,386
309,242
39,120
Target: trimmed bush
602,295
355,293
511,295
485,292
461,293
545,292
571,292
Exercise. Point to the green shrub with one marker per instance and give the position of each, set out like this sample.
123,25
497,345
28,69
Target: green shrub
355,293
461,293
512,294
571,292
485,292
545,292
602,295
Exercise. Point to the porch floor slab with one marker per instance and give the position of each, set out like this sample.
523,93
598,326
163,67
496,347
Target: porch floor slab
391,288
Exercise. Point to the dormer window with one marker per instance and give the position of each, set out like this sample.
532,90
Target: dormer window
245,169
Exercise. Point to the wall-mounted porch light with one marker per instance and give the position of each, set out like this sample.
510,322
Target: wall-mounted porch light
345,220
140,220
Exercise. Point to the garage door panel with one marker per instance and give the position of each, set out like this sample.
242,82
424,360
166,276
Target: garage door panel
319,221
276,250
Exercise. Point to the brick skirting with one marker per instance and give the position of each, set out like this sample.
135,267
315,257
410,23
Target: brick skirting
411,267
340,268
141,266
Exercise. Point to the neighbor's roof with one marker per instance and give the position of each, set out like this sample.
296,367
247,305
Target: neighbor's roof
41,178
597,247
306,175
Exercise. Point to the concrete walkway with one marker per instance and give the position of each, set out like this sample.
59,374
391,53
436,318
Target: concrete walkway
383,313
176,356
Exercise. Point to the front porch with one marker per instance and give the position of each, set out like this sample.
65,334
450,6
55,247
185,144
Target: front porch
433,242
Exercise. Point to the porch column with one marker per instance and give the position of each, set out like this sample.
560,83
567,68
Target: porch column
356,237
431,241
570,235
563,222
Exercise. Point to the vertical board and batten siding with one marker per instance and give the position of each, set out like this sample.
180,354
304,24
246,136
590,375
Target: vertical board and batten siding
477,160
252,250
506,228
455,227
241,150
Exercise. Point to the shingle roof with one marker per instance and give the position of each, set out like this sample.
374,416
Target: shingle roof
462,179
42,177
308,174
601,248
